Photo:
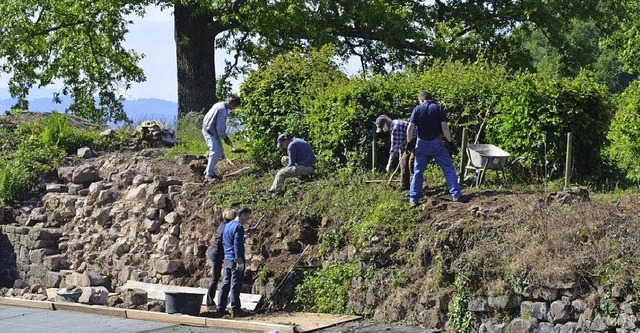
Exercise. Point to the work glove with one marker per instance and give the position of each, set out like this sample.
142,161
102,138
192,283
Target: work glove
451,147
240,265
388,167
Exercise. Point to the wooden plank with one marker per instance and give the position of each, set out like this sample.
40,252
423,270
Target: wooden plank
246,325
166,318
26,303
92,309
308,322
156,291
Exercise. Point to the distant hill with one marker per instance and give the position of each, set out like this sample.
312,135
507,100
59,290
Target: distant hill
137,110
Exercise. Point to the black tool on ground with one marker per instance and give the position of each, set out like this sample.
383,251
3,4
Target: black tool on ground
270,304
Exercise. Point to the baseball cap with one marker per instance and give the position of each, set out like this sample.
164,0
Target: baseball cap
281,138
380,122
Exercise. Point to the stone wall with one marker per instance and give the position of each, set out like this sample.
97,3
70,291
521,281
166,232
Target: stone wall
31,254
107,220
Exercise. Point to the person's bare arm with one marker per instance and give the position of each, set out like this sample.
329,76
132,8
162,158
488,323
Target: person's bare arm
410,131
445,131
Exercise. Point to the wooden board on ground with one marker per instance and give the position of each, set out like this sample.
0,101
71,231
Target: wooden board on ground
156,291
304,321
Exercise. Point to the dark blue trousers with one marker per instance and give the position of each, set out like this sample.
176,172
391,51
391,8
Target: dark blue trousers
230,287
213,286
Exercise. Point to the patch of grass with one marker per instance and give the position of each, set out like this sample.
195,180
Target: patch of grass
388,219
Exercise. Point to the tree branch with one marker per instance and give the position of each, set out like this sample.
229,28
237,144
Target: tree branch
52,29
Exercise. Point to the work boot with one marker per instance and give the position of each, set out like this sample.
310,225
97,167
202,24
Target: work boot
462,198
212,179
239,313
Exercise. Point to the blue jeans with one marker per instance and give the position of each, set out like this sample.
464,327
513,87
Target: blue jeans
425,151
215,152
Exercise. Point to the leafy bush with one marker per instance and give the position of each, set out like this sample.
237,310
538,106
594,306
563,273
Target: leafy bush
337,115
326,291
277,98
33,149
535,114
468,91
624,133
342,118
527,115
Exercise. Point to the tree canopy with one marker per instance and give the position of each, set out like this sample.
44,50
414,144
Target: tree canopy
79,42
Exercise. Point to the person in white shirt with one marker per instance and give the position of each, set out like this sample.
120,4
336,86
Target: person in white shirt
214,130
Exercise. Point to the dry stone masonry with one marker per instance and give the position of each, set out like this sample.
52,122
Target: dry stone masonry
105,221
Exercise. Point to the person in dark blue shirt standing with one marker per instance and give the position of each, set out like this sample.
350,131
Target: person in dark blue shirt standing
431,120
299,162
234,262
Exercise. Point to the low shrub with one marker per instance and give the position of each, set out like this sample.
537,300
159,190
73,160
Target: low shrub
276,100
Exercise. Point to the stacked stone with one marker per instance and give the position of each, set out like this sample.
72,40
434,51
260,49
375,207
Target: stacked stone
103,223
549,310
31,254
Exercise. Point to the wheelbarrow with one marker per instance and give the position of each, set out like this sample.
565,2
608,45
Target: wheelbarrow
483,157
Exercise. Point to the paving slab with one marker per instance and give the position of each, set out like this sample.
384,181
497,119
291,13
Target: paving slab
28,320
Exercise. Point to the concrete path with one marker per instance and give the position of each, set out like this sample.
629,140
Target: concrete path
23,320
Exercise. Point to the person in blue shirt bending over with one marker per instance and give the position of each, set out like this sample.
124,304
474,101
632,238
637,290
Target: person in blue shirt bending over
431,120
299,161
234,263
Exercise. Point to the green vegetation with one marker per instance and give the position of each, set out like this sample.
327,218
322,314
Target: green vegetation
188,129
326,291
624,134
30,151
528,115
459,315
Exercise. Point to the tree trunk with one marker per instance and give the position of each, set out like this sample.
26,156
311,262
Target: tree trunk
195,44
